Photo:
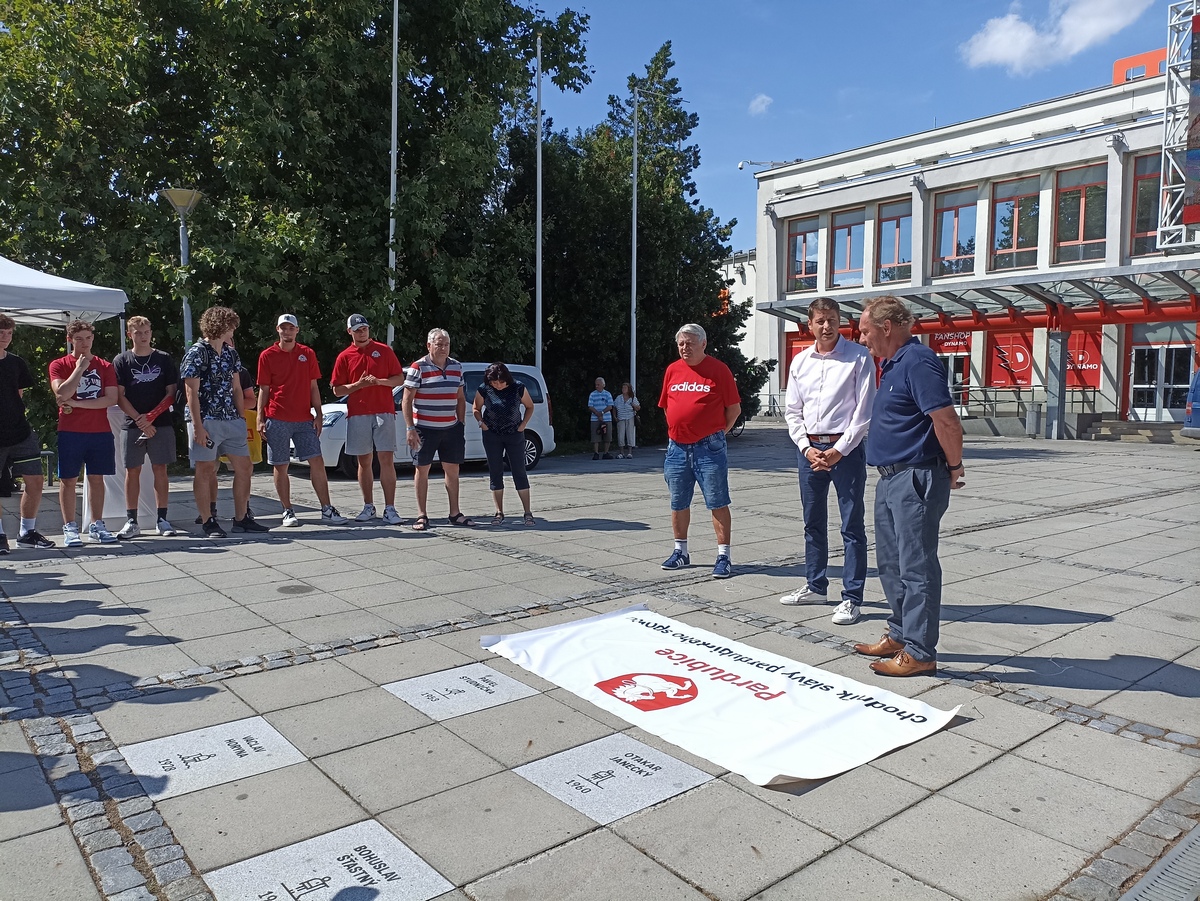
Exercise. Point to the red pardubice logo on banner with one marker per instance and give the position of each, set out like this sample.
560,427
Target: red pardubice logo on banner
647,691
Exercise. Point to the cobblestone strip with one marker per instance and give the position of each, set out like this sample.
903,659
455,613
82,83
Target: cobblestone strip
1115,869
131,852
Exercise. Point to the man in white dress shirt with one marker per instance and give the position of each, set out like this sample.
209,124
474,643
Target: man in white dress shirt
831,386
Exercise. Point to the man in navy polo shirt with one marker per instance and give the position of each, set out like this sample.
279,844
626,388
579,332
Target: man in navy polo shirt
916,443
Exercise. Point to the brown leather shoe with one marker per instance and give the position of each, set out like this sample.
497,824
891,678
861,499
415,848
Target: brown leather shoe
885,647
903,665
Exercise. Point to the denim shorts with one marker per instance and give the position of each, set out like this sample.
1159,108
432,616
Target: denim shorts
704,462
282,435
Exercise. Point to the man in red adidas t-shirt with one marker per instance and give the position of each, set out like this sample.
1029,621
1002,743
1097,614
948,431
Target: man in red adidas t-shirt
289,413
365,374
702,403
85,386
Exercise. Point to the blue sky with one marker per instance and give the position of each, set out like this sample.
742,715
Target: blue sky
781,79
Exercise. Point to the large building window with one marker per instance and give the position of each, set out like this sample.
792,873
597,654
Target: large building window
954,233
802,254
849,234
895,242
1015,223
1146,194
1079,214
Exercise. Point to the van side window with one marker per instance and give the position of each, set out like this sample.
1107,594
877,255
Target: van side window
471,382
531,385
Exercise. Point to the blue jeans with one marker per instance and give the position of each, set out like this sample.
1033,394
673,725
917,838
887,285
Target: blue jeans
849,478
908,512
704,461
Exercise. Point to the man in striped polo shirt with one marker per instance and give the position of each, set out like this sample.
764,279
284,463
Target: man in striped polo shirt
435,408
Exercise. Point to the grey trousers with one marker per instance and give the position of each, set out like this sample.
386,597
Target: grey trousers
908,512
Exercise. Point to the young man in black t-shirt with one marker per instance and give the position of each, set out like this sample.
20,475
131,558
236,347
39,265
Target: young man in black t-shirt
145,377
20,447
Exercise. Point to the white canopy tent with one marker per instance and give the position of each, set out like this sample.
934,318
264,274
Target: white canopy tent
36,298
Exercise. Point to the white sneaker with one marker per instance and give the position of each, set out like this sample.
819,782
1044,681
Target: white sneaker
804,595
390,516
331,517
847,613
289,519
130,530
71,535
368,513
165,529
99,534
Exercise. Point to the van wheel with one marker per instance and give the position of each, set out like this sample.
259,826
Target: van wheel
349,465
533,450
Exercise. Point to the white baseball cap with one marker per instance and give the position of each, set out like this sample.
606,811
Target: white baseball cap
289,319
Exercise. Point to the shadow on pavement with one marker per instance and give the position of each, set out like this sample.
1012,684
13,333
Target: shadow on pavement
1074,672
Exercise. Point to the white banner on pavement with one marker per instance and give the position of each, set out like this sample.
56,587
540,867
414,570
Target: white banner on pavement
768,718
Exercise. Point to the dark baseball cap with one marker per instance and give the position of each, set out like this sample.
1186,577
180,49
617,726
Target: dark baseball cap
357,321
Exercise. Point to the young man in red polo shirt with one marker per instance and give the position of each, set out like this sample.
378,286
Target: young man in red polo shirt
365,374
702,403
289,412
85,386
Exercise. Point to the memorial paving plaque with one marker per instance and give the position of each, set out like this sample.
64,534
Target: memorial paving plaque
360,861
190,761
464,689
612,777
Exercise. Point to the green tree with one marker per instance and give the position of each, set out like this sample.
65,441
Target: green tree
278,111
587,188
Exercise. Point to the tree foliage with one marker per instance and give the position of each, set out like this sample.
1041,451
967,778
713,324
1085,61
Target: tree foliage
279,112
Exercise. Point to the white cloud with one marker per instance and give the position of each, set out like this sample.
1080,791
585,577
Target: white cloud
759,104
1070,27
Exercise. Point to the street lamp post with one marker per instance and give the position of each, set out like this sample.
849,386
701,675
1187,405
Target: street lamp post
391,329
184,200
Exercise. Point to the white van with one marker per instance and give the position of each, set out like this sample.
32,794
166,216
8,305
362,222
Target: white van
539,434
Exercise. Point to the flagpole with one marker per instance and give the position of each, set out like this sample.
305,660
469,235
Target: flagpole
391,329
537,328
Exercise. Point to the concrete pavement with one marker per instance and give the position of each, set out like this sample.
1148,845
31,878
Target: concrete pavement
1071,636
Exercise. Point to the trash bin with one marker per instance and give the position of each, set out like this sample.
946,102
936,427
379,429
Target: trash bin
1033,420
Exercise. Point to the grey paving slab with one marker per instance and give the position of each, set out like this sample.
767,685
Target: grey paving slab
303,605
51,868
467,832
391,772
935,762
845,806
597,867
332,626
403,614
14,750
202,625
28,805
234,645
232,822
1059,805
848,875
363,859
933,841
526,730
756,845
346,721
1168,697
98,670
1139,768
982,718
402,661
297,685
148,716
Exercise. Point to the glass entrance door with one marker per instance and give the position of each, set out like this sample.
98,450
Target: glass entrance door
957,373
1159,383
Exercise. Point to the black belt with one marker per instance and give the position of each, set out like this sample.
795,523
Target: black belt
889,471
825,439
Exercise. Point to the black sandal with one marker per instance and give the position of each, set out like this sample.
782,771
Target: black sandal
458,519
421,523
498,519
529,520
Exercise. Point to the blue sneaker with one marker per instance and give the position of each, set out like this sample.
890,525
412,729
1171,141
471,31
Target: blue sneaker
723,568
677,560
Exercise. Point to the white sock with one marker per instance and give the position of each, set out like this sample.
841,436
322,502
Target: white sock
28,525
723,550
681,544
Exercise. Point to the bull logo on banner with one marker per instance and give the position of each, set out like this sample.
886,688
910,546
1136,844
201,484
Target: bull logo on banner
647,691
